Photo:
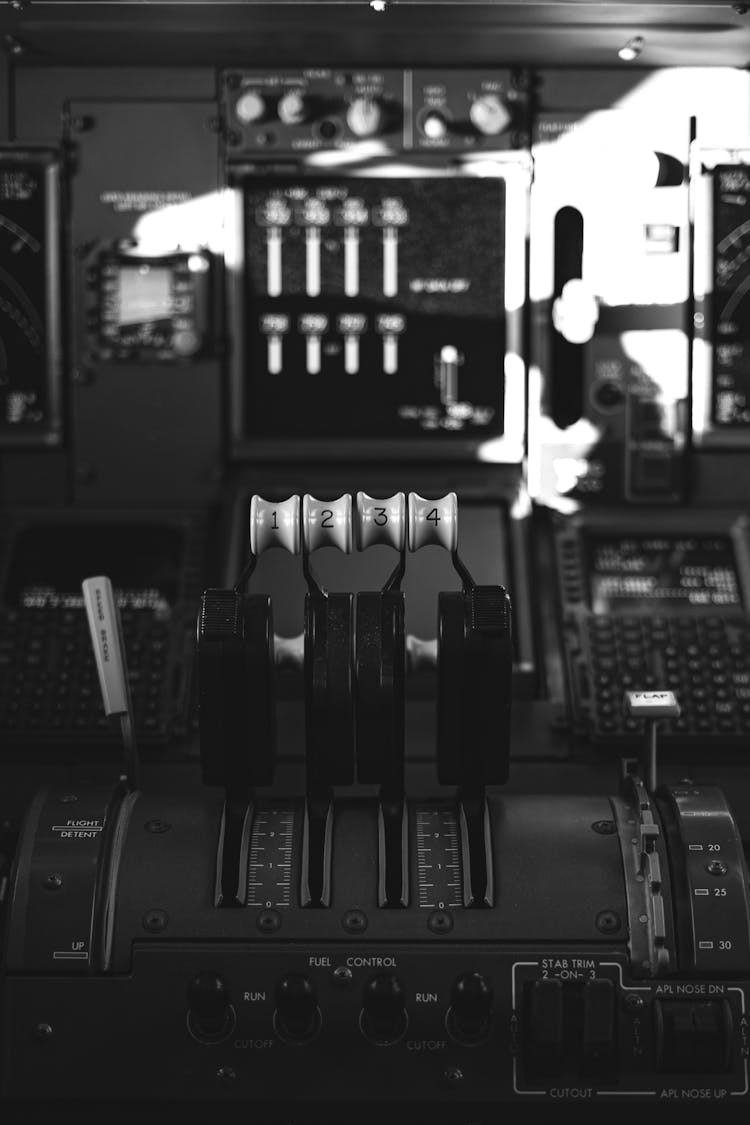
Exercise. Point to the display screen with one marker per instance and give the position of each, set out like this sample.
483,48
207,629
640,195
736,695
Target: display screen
144,294
29,290
730,397
634,574
48,564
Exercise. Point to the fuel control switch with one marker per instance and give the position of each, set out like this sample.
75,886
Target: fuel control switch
384,1017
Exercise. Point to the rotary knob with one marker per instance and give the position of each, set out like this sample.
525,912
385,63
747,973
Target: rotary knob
249,107
489,115
297,1013
365,117
293,108
210,1013
471,1005
384,1017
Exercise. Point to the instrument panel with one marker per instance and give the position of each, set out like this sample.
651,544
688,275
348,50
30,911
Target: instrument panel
374,583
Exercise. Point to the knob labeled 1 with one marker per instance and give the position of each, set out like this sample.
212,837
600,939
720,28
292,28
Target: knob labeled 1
274,523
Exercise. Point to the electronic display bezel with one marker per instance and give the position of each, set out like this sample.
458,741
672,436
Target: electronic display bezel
672,597
48,431
707,433
574,535
180,334
513,169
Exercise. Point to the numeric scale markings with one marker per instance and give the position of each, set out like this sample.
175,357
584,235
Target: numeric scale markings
438,859
269,873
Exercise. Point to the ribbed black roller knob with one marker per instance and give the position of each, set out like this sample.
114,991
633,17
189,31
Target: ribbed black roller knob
471,1005
297,1013
209,1005
384,1016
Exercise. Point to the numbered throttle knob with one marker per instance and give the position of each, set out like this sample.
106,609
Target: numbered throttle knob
471,1005
210,1013
327,523
297,1012
274,523
381,521
384,1017
433,522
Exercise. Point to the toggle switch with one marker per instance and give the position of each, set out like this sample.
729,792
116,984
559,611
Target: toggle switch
210,1013
384,1019
352,326
471,1006
391,215
313,327
275,215
693,1036
297,1014
447,362
599,1055
543,1030
390,326
352,215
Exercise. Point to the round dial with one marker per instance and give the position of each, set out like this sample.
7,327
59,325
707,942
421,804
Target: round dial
489,115
250,107
293,108
365,116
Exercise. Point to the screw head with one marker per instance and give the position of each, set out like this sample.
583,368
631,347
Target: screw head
440,922
43,1031
717,867
453,1075
268,921
67,798
604,827
155,921
633,1002
608,922
354,921
157,826
342,975
53,881
226,1074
